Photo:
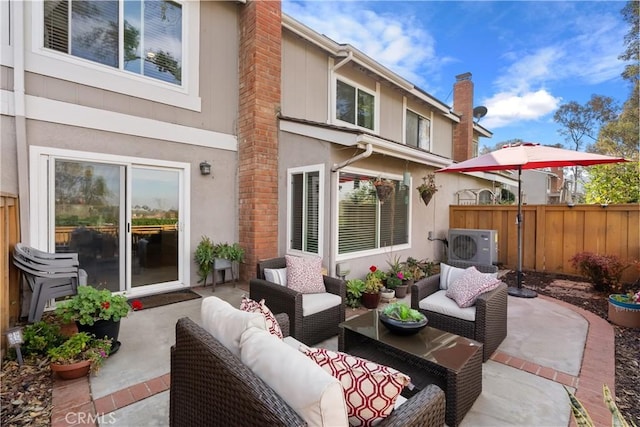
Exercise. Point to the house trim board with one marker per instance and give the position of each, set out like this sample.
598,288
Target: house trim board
49,110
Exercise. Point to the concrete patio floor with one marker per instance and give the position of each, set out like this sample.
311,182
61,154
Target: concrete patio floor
549,344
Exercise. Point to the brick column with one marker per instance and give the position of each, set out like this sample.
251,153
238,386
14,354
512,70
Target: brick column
463,105
259,74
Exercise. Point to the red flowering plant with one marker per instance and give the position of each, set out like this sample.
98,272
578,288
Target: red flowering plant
91,304
374,280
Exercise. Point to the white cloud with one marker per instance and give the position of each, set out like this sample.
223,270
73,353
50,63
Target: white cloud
396,41
506,108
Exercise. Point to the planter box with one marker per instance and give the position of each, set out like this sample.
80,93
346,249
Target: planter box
623,314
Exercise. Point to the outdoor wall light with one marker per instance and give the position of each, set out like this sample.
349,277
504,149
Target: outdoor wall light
205,168
15,339
406,179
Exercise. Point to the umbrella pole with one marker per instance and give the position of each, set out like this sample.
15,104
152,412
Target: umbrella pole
519,291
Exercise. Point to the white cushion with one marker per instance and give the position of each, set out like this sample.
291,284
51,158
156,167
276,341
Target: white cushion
448,274
315,303
312,392
276,275
439,302
226,323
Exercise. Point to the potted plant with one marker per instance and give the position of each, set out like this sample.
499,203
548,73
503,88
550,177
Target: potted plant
227,255
372,286
97,311
387,294
384,188
78,355
355,289
401,319
204,257
40,337
624,309
428,188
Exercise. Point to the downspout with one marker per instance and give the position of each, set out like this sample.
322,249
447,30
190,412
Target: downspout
334,208
22,148
366,153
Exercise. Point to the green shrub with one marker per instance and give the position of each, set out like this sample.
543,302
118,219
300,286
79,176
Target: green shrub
604,271
40,337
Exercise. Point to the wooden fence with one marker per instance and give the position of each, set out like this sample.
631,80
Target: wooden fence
9,289
552,234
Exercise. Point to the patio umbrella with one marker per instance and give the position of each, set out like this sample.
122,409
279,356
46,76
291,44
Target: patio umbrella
527,156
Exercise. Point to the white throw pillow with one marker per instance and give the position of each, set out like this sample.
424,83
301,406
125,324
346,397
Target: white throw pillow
226,323
312,392
448,275
276,275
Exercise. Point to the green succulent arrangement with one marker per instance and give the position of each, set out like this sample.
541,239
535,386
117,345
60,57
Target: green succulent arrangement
355,289
402,312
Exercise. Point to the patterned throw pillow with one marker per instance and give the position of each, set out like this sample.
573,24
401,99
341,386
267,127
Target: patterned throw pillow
370,390
466,289
304,275
252,306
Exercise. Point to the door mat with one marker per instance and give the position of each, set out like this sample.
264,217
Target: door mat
165,299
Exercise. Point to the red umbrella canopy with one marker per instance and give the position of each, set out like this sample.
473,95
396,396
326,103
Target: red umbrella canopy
530,156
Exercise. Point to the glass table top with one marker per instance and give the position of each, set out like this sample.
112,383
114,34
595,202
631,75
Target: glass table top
446,349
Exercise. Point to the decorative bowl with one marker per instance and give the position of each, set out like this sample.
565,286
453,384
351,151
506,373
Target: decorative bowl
399,327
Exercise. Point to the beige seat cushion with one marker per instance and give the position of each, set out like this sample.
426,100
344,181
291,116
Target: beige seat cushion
313,393
227,323
315,303
439,302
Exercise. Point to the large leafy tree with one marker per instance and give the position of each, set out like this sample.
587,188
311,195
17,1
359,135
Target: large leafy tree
620,183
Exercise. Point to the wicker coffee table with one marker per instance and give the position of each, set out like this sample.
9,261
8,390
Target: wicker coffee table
432,356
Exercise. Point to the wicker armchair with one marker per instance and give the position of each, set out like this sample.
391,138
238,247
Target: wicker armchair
310,329
490,325
212,387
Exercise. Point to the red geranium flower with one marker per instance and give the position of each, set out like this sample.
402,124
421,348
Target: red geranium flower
373,268
105,305
136,305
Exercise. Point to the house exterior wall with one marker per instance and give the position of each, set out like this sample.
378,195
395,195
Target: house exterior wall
305,80
63,114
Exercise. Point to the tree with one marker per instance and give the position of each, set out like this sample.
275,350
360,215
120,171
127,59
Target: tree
620,183
584,121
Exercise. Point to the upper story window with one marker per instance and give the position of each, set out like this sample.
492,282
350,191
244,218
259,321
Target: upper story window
146,38
355,105
475,146
418,131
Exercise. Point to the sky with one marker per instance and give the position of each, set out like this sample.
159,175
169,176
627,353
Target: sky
526,58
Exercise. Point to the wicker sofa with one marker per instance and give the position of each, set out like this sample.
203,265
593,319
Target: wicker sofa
211,386
310,329
490,323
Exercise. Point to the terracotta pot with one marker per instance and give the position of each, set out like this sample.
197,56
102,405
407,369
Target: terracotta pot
371,300
71,371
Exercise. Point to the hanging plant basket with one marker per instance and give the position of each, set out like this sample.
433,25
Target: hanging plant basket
426,197
384,190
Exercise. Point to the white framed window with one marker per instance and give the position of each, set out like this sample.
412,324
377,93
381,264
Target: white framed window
364,223
143,48
355,105
305,209
418,131
474,147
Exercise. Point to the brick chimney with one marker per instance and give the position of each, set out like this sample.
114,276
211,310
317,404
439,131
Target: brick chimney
259,70
463,106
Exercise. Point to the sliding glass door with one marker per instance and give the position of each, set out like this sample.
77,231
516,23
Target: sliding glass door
123,219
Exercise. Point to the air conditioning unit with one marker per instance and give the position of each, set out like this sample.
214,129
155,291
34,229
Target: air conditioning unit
477,246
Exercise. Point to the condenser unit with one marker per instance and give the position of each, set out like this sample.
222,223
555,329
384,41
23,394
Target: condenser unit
477,246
